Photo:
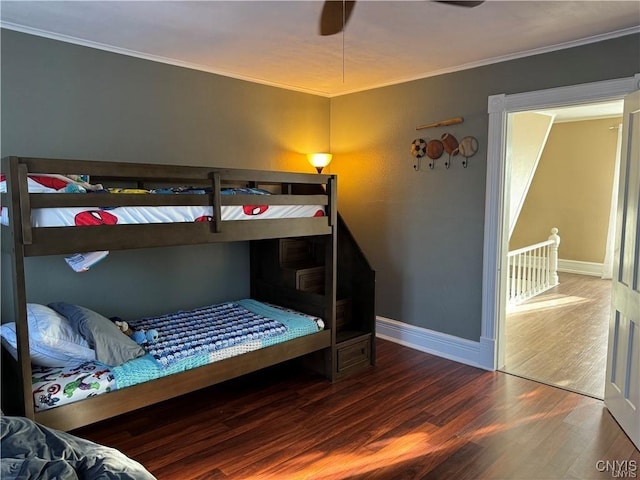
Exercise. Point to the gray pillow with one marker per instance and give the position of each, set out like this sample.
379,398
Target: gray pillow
112,347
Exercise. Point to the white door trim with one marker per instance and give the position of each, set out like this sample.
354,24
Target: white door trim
495,247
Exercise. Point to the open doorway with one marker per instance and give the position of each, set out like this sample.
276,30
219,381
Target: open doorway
491,346
621,377
563,165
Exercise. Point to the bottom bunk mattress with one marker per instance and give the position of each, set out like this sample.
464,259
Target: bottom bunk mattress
185,340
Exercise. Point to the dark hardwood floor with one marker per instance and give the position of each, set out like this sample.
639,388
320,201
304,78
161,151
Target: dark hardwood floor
560,336
413,416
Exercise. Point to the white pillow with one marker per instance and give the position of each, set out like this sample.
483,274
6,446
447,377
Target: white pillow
52,340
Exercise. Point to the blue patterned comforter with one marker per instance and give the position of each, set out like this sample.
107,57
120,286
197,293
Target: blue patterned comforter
204,335
204,330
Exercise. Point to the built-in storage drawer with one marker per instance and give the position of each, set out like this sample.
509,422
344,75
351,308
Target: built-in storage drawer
310,279
304,278
294,251
354,354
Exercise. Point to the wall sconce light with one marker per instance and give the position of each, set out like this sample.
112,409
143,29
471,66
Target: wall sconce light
319,160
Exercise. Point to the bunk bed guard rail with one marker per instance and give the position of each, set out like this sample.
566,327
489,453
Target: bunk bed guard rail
320,190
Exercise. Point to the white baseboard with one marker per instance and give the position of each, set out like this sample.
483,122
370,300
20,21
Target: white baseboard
580,268
477,354
436,343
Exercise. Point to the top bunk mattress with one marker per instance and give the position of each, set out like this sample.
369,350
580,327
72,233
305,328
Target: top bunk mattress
79,216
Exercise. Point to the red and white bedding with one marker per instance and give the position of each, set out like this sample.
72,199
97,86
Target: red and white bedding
78,216
85,216
49,183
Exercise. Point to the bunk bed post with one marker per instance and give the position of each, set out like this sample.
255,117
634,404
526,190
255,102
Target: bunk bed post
331,279
16,175
217,202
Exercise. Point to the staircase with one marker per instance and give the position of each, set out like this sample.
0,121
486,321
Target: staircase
297,273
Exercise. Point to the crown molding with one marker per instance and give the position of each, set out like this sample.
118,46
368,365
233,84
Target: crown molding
204,68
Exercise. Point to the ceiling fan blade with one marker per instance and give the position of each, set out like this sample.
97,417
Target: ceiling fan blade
335,15
461,3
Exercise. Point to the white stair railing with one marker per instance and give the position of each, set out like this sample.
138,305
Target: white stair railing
532,270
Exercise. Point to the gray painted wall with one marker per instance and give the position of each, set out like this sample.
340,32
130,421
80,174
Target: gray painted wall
423,231
66,101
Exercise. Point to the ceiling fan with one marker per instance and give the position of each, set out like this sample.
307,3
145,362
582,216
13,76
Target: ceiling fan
336,13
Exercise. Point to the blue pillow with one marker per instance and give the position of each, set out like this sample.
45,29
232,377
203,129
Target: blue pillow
52,340
112,347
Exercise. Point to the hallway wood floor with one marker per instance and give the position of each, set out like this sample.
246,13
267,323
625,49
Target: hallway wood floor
560,336
413,416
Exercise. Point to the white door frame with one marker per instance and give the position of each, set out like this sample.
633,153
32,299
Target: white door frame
495,223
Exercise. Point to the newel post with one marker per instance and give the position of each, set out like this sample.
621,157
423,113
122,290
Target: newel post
553,257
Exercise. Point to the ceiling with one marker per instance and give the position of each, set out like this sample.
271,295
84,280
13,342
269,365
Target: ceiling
277,43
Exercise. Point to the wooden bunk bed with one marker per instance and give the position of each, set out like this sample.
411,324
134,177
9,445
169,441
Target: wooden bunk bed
344,346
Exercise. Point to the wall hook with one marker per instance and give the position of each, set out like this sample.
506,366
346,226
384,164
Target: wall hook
468,147
450,144
418,150
434,151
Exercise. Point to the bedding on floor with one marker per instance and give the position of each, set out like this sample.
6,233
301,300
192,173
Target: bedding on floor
186,340
30,450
